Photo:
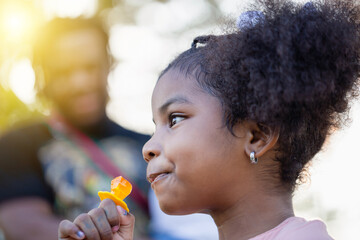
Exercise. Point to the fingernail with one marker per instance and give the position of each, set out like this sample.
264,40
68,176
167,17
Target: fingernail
80,234
124,212
115,228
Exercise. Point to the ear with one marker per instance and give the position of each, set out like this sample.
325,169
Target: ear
259,138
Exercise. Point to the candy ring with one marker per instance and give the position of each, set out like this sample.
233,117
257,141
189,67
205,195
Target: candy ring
120,189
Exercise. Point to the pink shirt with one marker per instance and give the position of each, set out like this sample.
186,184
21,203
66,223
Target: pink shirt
296,228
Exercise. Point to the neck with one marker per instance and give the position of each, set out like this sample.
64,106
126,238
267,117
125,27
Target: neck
97,129
251,216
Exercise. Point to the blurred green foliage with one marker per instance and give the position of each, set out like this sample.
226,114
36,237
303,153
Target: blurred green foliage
13,112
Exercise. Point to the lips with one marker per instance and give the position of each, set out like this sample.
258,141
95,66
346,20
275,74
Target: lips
154,177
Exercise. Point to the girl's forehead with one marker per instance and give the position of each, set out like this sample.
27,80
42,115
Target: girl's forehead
175,80
175,83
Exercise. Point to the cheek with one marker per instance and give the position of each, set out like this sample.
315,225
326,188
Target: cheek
201,156
202,179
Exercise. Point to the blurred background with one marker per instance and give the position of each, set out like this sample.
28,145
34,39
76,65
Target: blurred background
144,36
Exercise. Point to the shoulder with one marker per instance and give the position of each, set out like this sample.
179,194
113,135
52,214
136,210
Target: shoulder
27,136
20,170
36,131
297,228
20,146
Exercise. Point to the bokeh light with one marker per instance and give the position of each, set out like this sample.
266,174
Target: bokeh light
22,81
69,8
18,21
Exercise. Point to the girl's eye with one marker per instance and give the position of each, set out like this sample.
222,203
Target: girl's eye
174,119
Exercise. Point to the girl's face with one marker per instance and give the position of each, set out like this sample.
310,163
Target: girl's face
194,163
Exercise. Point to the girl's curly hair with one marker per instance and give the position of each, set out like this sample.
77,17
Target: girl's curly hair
296,71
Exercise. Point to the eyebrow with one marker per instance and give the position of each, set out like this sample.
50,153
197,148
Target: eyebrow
176,99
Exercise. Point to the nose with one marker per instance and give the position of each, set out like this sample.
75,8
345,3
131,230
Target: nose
82,79
151,149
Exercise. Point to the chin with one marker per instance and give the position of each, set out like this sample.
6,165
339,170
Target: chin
171,210
88,120
176,208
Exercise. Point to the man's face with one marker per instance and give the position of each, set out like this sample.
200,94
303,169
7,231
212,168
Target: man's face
76,70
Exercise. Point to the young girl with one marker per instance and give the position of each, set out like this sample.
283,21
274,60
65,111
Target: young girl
238,117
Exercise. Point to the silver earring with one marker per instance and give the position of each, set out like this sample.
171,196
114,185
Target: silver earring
253,159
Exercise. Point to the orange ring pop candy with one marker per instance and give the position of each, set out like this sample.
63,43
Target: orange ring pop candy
120,189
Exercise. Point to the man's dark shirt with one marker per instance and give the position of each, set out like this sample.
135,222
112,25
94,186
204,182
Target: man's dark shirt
38,161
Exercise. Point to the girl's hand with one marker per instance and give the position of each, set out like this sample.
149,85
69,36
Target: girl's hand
108,222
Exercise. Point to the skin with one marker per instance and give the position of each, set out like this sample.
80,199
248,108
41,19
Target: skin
107,222
33,217
207,169
196,165
77,86
77,77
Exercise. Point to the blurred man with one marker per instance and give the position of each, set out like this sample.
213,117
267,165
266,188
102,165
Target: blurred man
54,169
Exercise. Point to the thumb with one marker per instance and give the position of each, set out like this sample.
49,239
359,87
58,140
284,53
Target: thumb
127,222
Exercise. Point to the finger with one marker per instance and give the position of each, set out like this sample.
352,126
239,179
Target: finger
100,220
127,222
85,223
111,213
68,229
69,238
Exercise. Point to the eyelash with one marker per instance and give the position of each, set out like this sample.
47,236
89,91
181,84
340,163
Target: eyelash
173,116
